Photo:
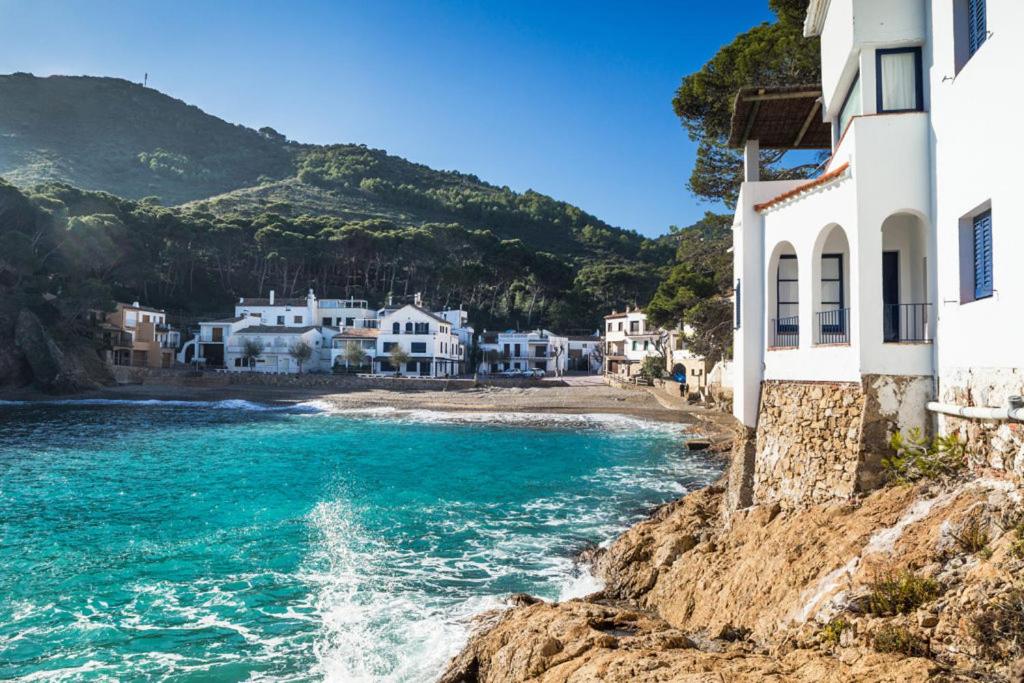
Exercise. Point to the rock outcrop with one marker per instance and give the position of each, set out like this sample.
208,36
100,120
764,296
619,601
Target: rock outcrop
53,369
775,594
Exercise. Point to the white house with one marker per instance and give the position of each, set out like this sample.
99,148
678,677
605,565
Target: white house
585,353
515,350
894,269
276,343
629,339
365,338
432,347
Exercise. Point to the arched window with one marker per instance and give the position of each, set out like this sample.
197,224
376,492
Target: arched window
408,328
396,328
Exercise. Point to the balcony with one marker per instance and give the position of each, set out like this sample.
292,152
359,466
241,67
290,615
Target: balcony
906,323
833,327
785,333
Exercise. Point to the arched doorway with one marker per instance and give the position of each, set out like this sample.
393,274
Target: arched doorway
783,288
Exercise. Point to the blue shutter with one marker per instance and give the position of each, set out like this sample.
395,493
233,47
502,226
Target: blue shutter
983,255
977,28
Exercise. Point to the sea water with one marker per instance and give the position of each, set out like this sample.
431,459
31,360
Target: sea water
232,541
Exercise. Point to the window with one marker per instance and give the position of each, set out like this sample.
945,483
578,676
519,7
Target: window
634,326
787,294
396,328
736,297
422,328
647,345
518,350
408,328
388,346
412,366
977,25
280,319
636,345
851,106
831,282
610,327
620,327
983,254
350,322
327,322
385,366
298,320
419,347
898,80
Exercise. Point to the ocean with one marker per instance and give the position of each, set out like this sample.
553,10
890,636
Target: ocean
228,541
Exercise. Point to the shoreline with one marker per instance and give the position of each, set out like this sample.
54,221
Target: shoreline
592,398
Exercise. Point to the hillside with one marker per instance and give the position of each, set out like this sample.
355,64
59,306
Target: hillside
112,135
119,137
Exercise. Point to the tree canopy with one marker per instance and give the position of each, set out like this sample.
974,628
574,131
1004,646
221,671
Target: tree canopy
768,54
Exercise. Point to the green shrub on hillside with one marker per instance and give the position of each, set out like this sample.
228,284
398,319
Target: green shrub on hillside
900,593
914,458
899,640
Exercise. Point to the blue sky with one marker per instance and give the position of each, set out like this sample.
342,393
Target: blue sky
572,99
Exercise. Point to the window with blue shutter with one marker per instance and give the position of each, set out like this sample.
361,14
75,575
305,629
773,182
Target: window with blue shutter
983,255
977,29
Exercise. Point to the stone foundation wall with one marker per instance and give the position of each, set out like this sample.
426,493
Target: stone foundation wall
808,442
996,445
821,441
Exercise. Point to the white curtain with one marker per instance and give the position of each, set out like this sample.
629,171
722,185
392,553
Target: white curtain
899,81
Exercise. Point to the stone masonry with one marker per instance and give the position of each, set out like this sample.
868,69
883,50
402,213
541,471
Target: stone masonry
808,443
995,445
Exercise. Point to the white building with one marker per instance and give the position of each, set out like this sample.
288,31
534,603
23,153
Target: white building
629,340
585,353
275,343
515,350
432,347
896,265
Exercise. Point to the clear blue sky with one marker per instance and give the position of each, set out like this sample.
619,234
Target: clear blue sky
572,99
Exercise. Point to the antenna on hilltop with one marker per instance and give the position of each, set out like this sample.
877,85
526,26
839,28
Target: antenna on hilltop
145,79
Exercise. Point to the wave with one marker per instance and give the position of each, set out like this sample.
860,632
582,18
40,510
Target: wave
607,421
227,404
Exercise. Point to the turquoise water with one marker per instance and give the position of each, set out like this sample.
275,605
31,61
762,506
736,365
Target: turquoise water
230,541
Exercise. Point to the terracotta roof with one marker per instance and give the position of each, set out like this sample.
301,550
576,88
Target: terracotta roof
810,185
275,329
223,320
624,313
780,117
359,332
149,309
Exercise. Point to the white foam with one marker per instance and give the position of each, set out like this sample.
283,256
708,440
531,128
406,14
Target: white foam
227,404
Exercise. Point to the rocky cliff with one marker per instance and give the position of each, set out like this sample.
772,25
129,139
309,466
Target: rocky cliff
910,583
29,355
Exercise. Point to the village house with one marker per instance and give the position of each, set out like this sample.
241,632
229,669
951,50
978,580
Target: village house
428,340
585,353
328,326
515,350
887,285
139,336
629,340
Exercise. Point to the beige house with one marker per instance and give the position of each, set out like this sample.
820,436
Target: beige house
139,336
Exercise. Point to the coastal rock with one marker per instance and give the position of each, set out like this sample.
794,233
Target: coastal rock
772,594
53,370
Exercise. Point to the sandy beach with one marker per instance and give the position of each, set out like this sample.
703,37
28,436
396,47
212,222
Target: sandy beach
577,396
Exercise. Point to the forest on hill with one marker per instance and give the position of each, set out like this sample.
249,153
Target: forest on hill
118,192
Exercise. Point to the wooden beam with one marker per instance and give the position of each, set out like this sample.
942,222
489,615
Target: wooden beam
807,123
751,117
764,97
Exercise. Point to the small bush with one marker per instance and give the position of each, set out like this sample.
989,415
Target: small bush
1017,548
899,640
915,459
831,632
900,593
973,535
999,626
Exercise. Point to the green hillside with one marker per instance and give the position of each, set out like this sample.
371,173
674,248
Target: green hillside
124,193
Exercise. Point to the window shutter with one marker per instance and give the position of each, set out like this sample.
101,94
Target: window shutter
976,24
983,255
